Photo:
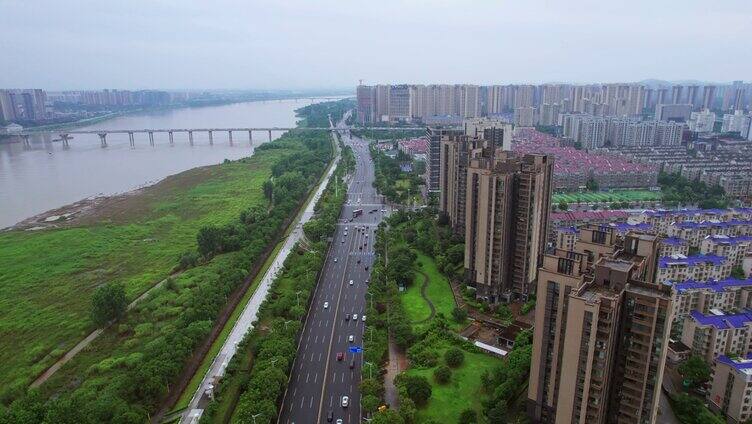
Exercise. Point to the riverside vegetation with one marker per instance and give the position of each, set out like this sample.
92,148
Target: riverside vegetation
215,222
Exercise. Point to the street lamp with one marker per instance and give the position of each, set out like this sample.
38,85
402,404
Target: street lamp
370,369
297,296
254,417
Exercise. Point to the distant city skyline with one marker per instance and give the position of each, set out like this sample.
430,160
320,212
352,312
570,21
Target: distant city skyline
296,44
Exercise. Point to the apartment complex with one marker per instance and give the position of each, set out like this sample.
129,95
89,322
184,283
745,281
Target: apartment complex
731,388
716,333
594,132
728,294
27,105
601,331
508,198
694,267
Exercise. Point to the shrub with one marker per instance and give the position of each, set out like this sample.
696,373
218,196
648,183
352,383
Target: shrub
442,374
468,416
454,357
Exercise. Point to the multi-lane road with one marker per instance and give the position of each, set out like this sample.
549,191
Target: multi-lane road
320,379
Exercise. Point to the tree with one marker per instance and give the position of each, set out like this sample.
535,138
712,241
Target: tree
591,184
268,189
418,388
459,314
563,206
738,273
468,416
690,410
108,303
695,370
454,357
389,416
442,374
370,403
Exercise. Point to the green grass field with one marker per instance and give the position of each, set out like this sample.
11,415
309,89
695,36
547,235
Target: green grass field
438,291
608,196
47,276
463,390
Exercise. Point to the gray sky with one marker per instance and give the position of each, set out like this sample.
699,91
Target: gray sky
76,44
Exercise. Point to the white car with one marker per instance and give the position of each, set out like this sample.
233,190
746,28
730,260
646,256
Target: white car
351,282
355,317
339,420
351,338
345,401
335,260
363,318
326,305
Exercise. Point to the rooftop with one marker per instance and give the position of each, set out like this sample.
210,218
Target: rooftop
693,260
674,241
714,285
724,239
740,364
722,322
569,229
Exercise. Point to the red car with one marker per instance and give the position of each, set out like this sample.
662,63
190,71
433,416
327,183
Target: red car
340,356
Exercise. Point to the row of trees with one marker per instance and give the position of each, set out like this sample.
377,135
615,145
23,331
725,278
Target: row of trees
272,343
396,185
678,190
128,388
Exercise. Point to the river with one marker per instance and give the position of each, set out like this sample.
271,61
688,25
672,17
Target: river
45,176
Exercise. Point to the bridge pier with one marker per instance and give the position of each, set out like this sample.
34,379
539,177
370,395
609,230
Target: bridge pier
171,140
270,135
131,139
65,138
229,133
26,141
151,138
211,138
190,137
250,137
102,139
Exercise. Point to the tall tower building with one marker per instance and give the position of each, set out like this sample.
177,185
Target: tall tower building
435,136
708,97
676,94
692,91
601,332
508,198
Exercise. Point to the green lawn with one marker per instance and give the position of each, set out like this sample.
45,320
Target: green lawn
47,277
438,291
608,196
463,391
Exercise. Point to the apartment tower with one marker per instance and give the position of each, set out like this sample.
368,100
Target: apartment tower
508,198
601,332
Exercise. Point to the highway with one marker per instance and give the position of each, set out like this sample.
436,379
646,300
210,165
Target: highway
318,380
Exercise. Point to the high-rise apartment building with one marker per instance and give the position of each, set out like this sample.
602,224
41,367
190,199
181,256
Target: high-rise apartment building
507,201
708,96
673,112
364,98
23,105
702,122
456,149
435,136
498,133
525,116
601,332
399,103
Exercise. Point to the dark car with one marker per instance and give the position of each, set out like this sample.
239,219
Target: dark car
347,317
340,356
330,416
366,267
352,363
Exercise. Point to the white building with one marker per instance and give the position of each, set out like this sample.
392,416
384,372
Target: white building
702,122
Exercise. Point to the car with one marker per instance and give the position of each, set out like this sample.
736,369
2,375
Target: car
366,235
367,281
351,338
335,260
339,420
366,267
352,363
343,241
365,244
326,305
340,356
360,247
358,260
346,228
330,416
347,317
351,282
363,318
345,401
355,317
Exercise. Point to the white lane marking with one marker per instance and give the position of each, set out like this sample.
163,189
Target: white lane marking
307,377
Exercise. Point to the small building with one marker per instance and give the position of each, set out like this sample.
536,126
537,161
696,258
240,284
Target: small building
12,128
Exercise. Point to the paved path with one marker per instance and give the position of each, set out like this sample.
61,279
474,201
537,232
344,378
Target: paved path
423,288
243,325
75,350
397,363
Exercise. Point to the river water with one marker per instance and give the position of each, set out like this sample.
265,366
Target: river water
45,176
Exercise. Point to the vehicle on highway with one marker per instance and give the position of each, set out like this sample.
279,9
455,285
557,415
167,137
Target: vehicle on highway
367,281
363,318
347,317
335,260
358,260
352,363
339,420
326,305
355,317
366,270
357,212
351,338
345,401
343,241
351,282
330,416
340,356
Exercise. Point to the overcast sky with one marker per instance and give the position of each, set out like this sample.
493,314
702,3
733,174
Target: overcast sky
72,44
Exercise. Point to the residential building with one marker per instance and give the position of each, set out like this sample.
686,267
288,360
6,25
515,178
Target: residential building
734,248
456,149
736,122
673,112
566,237
525,116
508,198
728,295
26,105
601,333
399,103
716,333
702,122
731,388
497,132
695,267
674,246
433,163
